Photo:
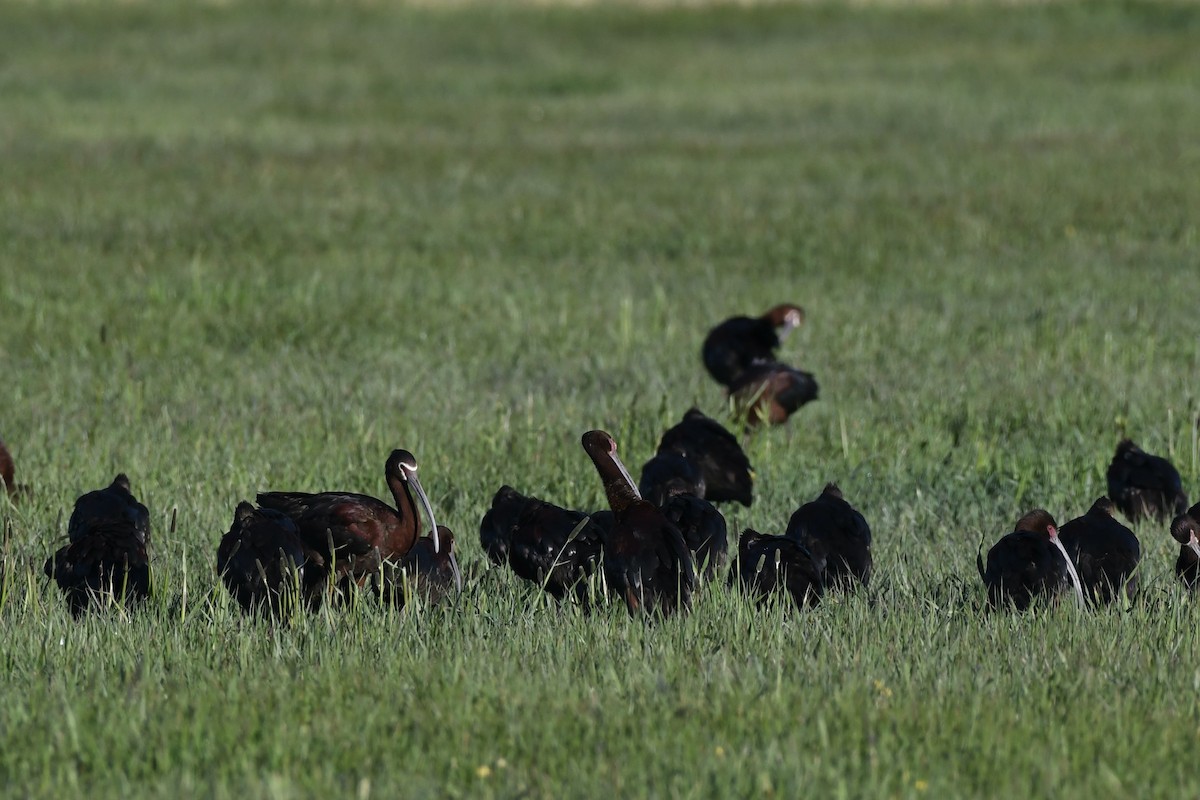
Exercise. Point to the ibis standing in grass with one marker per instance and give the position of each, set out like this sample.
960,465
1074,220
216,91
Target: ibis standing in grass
646,560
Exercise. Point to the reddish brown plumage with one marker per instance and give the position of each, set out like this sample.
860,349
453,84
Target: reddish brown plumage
355,533
772,392
646,560
736,344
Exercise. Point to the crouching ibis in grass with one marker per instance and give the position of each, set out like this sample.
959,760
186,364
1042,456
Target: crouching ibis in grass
734,345
703,529
1029,564
669,474
646,561
353,534
106,559
766,564
555,548
1105,553
724,468
837,535
265,564
772,392
427,571
1144,486
1185,529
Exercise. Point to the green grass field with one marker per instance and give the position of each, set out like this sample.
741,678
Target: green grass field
256,246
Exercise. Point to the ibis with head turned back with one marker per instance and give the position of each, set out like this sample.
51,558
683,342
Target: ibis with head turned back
107,557
1029,564
739,342
1144,485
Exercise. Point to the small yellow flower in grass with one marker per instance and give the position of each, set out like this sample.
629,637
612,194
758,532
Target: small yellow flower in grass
483,771
921,786
883,689
719,751
501,763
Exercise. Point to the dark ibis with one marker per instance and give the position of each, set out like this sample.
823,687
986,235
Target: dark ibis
556,548
703,528
737,343
495,529
1028,564
767,563
8,474
667,474
772,392
265,565
1185,529
426,571
1105,552
836,534
723,464
1144,486
646,560
107,557
354,533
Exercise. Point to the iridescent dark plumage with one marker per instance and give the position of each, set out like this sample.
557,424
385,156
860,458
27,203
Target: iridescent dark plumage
1026,565
495,529
540,547
1185,529
646,560
703,528
1105,552
739,342
353,533
715,451
766,564
667,474
836,534
432,576
264,564
107,557
772,392
1142,485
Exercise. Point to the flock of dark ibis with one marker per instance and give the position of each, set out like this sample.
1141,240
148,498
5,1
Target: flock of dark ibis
1094,557
661,540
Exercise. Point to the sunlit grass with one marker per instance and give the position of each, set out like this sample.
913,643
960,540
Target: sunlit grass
247,247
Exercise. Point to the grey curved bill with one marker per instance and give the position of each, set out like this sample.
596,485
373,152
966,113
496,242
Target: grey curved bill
1195,546
1070,569
625,474
416,484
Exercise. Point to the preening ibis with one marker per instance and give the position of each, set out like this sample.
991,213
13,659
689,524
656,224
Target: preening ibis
1105,552
1029,563
723,465
265,565
734,345
767,563
534,538
646,561
106,558
772,392
426,571
703,528
668,474
1144,486
837,535
1185,529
